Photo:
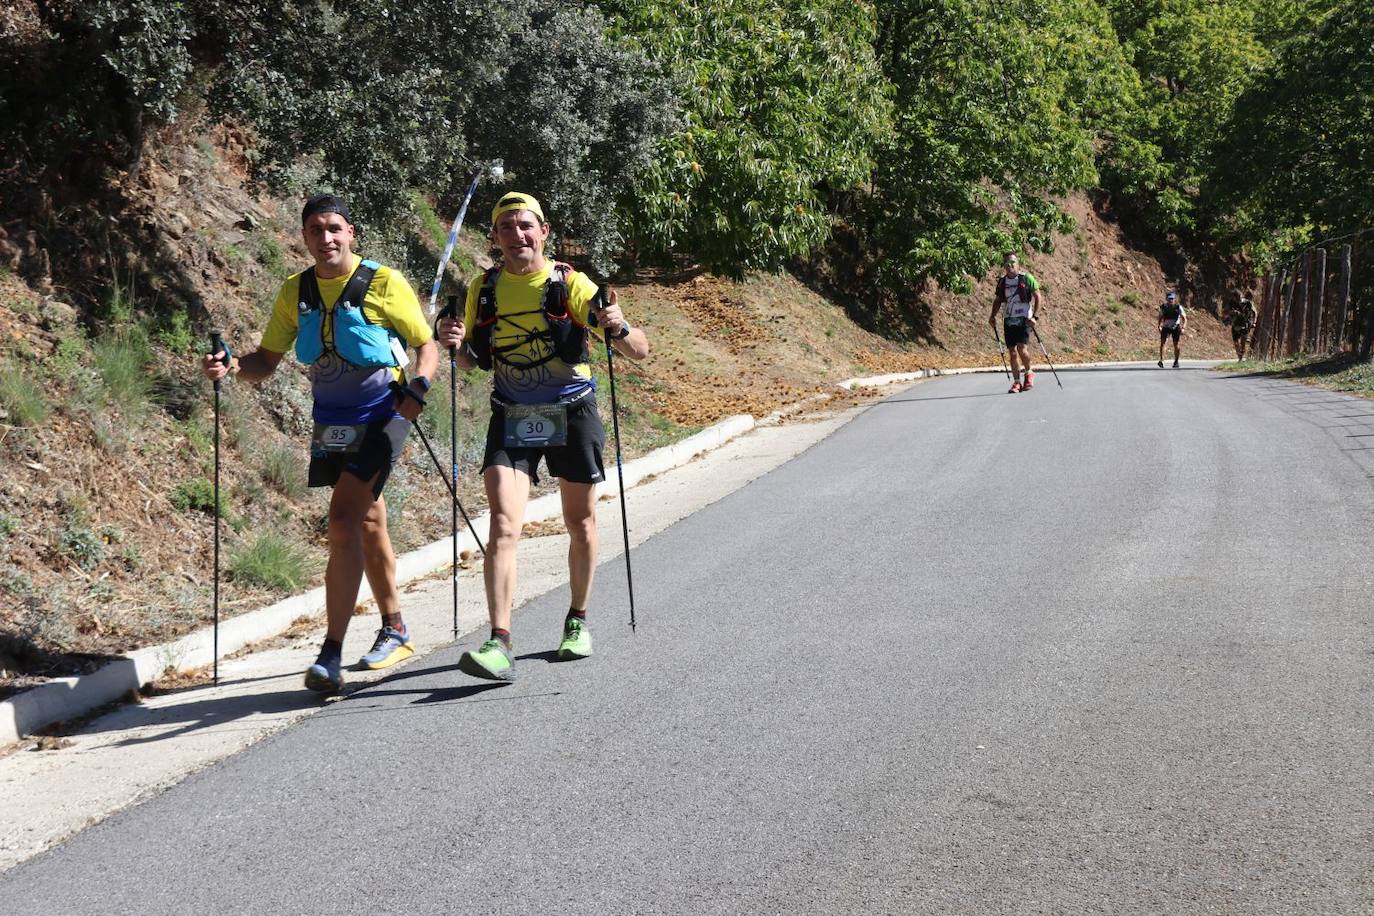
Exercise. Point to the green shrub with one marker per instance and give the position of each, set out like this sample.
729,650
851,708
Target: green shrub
22,397
270,561
66,358
81,545
175,333
122,360
1114,307
8,524
271,256
1131,299
197,494
281,467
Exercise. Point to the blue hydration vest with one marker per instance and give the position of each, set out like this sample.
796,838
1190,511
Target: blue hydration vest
355,339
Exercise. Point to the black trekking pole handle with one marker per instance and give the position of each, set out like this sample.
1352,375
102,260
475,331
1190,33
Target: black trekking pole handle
599,302
216,346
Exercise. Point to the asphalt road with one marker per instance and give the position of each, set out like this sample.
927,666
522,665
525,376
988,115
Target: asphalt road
1099,650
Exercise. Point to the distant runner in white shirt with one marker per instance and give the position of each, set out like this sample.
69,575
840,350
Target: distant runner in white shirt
1018,297
1172,320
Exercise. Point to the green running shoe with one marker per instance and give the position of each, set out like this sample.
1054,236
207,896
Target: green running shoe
577,640
492,662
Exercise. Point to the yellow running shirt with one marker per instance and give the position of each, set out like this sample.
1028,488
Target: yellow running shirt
345,393
524,374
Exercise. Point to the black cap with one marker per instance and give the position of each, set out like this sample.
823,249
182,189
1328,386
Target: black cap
325,203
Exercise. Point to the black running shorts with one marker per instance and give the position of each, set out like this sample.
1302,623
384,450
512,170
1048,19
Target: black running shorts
1166,333
374,456
579,461
1016,334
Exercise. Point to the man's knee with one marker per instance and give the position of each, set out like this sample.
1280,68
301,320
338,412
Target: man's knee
581,528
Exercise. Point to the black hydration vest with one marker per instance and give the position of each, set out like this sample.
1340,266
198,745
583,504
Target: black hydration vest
566,338
1170,311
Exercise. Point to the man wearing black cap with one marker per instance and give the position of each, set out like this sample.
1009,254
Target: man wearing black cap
351,321
526,320
1172,320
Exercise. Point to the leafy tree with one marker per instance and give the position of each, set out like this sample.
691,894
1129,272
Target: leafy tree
783,103
1299,162
991,106
1193,58
366,99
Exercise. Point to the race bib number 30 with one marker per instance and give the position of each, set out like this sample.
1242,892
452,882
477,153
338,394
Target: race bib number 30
536,425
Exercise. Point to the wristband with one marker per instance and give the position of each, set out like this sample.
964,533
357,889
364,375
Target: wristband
422,382
624,331
405,391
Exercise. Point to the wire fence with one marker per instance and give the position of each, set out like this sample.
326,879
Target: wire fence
1311,306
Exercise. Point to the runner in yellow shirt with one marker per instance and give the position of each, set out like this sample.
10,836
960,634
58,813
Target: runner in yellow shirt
352,321
527,321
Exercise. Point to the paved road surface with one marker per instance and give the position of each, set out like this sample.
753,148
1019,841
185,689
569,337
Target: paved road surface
1100,650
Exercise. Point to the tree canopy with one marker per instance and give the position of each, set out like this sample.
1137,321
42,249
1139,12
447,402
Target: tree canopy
927,135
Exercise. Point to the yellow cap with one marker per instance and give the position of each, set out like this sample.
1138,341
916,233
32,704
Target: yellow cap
516,201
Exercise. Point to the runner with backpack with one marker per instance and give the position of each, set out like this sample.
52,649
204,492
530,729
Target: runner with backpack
351,321
1018,298
526,321
1243,318
1172,321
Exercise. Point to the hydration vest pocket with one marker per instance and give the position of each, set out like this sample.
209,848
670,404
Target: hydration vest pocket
362,344
309,334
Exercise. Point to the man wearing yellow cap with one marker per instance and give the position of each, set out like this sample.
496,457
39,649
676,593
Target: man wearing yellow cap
527,321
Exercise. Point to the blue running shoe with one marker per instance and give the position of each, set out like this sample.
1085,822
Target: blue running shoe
325,676
391,646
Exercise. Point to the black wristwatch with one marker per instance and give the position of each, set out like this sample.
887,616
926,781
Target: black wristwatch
422,382
624,331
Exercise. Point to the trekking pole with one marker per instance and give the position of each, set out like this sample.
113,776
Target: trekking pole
619,469
217,346
452,310
1001,351
1047,356
453,491
452,240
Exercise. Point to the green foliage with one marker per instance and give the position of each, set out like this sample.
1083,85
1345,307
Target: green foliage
1297,149
80,545
987,133
197,494
270,560
281,468
271,256
8,524
175,333
122,359
784,103
22,398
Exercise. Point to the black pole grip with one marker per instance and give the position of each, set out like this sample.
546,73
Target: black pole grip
450,310
217,346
